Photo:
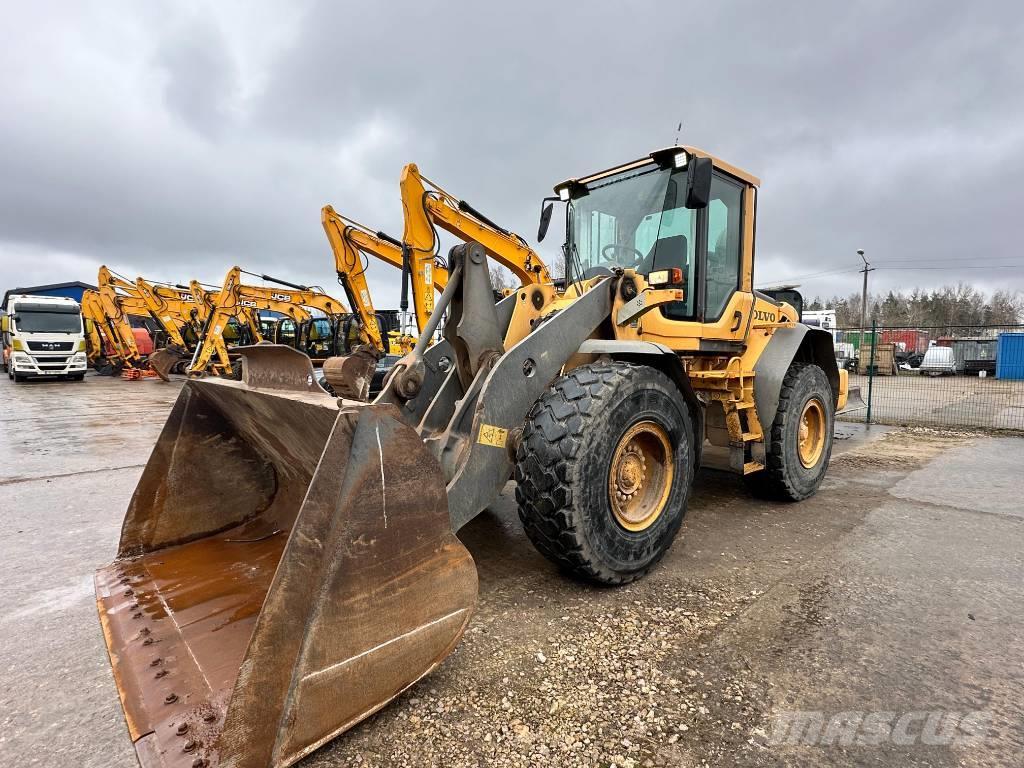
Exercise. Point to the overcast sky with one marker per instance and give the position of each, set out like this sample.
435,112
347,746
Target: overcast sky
173,140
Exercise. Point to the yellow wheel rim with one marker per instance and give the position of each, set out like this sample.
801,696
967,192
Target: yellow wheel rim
812,433
640,477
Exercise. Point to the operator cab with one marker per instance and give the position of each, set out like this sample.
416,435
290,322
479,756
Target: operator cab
678,210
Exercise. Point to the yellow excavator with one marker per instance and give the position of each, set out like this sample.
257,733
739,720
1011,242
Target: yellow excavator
238,300
107,337
426,206
350,241
289,562
176,315
114,310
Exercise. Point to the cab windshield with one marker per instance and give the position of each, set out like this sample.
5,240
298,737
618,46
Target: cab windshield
635,220
43,319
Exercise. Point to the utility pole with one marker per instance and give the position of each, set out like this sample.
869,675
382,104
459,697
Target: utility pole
864,297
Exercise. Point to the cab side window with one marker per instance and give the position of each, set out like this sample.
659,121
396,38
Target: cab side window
286,332
318,343
722,275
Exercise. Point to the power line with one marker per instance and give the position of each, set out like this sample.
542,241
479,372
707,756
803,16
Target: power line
814,275
836,272
956,268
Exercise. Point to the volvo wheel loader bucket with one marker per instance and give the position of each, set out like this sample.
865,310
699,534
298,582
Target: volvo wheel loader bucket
286,568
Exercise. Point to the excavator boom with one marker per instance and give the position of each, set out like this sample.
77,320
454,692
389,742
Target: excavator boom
426,204
349,240
117,321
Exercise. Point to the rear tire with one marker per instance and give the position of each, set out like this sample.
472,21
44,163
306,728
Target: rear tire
602,430
797,460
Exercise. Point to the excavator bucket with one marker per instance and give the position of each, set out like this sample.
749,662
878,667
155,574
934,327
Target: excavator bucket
286,567
164,361
854,401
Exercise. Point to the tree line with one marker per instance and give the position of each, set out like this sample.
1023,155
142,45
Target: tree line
959,304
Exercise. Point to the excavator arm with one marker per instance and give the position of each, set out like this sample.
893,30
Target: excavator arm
97,329
167,308
117,318
426,204
349,240
348,263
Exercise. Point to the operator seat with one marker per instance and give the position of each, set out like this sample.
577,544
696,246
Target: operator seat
668,252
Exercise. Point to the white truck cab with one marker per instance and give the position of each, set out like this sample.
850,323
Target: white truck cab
43,336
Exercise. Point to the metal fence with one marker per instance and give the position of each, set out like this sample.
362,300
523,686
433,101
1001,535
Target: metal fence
951,376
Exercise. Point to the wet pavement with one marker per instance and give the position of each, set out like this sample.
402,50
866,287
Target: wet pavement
877,623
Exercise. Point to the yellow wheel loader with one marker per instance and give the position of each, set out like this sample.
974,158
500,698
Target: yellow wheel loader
289,562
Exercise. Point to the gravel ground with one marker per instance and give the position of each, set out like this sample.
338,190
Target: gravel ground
897,587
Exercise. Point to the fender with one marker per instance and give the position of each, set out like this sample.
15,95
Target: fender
799,343
665,360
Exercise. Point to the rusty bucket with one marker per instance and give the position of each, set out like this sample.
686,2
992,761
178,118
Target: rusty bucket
165,361
286,568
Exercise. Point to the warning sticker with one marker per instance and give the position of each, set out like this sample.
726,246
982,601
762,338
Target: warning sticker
491,435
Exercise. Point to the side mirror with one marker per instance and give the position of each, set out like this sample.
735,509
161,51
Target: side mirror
698,182
545,221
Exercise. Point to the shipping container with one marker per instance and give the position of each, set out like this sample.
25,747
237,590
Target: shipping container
908,339
1010,357
974,354
856,337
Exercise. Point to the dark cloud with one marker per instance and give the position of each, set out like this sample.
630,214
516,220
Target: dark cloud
177,140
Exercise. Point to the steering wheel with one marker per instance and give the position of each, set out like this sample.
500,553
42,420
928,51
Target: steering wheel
617,247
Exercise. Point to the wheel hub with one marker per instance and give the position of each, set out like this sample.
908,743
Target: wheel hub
640,476
811,435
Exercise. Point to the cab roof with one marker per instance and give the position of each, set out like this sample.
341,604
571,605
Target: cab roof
722,165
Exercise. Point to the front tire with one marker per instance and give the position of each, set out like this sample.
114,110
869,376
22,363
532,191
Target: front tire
801,437
603,470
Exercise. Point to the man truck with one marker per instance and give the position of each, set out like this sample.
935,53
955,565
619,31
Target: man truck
43,336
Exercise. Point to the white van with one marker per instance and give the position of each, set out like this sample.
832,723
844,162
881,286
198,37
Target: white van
938,361
43,336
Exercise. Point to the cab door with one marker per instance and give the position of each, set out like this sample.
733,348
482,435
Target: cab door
715,251
725,298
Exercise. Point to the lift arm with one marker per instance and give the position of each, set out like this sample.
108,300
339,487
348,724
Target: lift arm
348,263
166,306
99,332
